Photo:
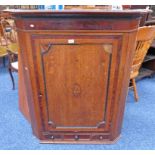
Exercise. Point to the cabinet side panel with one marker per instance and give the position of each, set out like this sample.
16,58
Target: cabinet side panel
23,101
122,82
28,87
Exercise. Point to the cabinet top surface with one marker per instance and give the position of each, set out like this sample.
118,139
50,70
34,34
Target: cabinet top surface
81,12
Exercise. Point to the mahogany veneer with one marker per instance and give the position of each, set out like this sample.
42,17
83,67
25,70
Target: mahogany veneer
74,72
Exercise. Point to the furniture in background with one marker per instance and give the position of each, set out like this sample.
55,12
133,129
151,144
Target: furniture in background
145,37
8,45
8,30
3,53
75,72
5,30
148,66
11,30
8,36
149,61
3,42
12,50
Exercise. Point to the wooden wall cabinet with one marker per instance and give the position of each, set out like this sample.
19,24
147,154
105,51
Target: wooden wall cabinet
75,68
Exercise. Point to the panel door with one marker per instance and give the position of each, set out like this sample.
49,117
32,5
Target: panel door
73,82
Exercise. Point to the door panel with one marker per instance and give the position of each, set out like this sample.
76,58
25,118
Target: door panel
76,83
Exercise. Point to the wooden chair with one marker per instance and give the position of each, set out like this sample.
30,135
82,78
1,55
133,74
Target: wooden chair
145,37
3,47
5,36
9,39
10,30
13,63
6,29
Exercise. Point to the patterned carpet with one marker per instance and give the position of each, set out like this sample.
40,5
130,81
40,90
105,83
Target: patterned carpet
138,130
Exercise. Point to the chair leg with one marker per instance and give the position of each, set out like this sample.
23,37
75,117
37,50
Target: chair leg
135,89
12,79
4,61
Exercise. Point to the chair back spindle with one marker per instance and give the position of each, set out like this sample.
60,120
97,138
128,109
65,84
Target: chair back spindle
145,37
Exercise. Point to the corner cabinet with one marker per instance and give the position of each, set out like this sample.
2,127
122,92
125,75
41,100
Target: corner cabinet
75,67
